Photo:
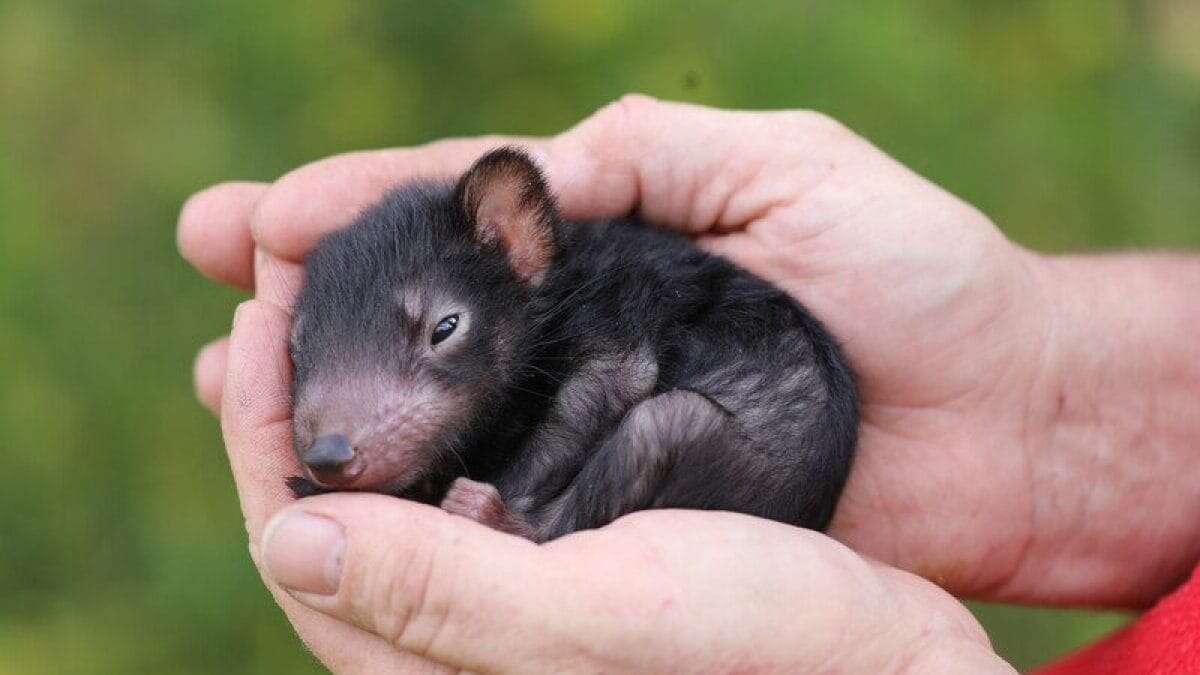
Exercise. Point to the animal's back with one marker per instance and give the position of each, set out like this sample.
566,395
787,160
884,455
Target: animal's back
746,346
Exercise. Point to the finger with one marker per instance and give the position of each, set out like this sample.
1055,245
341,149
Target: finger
689,167
208,374
276,280
435,585
343,647
256,411
320,197
213,233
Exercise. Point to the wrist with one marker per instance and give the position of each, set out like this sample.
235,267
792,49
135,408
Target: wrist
1114,428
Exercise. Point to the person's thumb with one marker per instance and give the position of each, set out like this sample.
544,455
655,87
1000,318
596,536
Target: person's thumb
434,585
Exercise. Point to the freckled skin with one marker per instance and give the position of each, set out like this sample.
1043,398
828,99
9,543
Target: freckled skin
595,368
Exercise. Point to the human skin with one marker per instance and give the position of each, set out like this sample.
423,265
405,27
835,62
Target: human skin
1029,422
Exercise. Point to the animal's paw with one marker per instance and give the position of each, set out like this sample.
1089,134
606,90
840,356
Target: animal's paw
482,503
302,487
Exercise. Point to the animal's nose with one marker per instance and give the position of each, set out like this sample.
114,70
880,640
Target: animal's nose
328,454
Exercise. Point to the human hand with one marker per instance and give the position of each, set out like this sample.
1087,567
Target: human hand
654,592
955,333
411,588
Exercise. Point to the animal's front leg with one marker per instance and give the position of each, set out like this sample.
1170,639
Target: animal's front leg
678,449
482,503
585,410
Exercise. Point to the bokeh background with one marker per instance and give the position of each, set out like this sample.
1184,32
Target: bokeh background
1076,125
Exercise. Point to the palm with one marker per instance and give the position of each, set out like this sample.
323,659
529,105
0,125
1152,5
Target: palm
921,292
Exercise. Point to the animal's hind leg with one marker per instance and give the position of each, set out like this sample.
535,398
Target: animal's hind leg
482,503
639,464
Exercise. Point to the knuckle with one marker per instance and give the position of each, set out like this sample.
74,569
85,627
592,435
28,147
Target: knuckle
287,198
619,119
402,595
294,195
815,124
271,211
634,106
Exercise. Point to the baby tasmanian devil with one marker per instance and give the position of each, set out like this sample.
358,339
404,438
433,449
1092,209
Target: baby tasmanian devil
463,345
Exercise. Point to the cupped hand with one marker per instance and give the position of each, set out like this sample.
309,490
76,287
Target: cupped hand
377,584
944,320
654,592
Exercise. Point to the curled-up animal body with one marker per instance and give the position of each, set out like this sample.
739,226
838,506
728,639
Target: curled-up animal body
461,344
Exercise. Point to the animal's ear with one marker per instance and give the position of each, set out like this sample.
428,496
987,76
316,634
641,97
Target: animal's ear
507,203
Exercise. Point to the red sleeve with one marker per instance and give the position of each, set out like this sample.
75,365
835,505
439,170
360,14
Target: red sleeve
1165,639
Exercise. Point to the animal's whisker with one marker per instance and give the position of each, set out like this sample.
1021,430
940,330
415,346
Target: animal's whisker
449,446
589,284
547,374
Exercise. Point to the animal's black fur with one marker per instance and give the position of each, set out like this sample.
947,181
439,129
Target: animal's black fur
640,372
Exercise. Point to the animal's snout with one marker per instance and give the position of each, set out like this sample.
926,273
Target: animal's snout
331,459
377,434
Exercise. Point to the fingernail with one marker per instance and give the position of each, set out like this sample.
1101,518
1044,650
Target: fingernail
239,311
303,552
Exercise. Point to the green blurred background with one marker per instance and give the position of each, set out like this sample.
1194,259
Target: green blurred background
1076,125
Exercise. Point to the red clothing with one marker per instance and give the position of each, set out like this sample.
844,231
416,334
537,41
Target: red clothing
1165,639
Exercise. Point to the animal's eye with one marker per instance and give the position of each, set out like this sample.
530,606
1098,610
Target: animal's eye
444,329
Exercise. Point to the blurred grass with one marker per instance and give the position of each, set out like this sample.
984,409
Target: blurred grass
1076,125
